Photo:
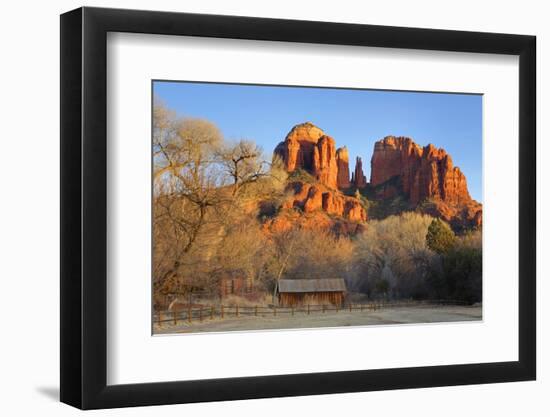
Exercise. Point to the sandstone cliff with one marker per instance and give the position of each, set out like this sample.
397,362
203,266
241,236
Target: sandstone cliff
325,166
296,150
307,147
342,160
423,175
317,203
423,178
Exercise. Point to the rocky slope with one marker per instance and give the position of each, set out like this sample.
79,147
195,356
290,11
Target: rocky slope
319,199
316,206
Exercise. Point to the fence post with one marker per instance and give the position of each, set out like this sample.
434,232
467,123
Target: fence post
189,314
308,309
211,313
200,314
292,310
175,318
323,308
221,311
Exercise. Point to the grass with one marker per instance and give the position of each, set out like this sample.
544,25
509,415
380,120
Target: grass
385,316
302,176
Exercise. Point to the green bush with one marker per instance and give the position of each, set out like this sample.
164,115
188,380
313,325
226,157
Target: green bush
302,176
462,267
440,237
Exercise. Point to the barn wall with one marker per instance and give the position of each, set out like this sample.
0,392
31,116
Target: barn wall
312,298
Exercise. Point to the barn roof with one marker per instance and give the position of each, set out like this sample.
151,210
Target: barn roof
312,285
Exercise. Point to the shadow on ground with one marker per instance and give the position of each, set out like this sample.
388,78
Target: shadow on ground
50,392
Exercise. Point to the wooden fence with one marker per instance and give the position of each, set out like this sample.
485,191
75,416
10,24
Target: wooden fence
200,314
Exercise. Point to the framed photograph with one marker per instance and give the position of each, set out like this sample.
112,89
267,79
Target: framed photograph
256,208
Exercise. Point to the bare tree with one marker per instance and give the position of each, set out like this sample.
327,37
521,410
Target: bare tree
301,253
242,162
185,188
393,252
205,193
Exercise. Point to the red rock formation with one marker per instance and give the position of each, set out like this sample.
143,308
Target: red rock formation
311,198
314,200
342,160
300,193
340,205
423,172
333,204
478,218
353,210
290,219
425,177
318,220
358,178
394,157
325,167
307,147
296,150
400,165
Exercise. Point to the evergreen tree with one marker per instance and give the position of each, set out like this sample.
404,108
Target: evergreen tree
440,238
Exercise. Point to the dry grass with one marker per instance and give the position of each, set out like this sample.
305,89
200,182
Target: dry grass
385,316
260,300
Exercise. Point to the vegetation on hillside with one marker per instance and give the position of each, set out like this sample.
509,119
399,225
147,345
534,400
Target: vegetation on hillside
406,256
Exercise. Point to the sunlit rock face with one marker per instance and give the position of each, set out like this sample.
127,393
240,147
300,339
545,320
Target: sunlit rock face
297,149
342,161
424,177
424,173
399,165
307,147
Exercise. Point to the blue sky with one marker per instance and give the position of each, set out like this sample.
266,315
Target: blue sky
354,118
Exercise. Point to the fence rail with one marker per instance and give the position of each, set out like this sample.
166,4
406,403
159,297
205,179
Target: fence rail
210,312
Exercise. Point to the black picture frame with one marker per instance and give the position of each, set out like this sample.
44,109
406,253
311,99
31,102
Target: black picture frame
84,207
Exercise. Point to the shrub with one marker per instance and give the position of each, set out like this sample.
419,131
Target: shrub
462,267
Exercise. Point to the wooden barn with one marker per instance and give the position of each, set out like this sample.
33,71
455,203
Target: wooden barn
297,292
